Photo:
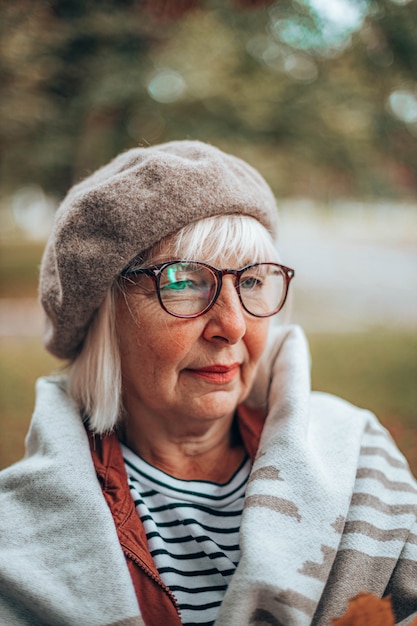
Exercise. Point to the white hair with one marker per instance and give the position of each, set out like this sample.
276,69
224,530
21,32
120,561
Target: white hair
94,376
236,237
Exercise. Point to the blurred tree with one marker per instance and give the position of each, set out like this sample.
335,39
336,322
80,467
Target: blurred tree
71,71
323,105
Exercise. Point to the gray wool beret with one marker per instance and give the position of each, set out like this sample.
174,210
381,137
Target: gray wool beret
123,209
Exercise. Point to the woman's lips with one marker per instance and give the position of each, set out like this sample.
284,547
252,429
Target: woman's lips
219,374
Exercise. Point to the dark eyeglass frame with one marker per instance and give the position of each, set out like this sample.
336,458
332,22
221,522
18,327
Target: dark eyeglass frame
155,272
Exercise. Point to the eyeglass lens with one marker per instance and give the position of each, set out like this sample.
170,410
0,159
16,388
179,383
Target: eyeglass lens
189,288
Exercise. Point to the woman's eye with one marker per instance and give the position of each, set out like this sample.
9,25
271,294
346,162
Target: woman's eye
251,282
178,285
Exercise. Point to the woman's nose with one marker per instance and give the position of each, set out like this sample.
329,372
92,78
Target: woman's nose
226,319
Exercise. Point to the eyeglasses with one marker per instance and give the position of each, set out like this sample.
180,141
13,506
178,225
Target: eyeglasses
190,288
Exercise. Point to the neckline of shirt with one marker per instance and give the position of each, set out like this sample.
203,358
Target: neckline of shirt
153,478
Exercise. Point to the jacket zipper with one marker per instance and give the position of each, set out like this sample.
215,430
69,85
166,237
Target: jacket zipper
132,556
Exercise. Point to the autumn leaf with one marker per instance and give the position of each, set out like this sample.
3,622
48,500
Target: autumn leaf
367,610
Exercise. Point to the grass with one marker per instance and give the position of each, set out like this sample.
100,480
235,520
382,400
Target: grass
22,361
375,370
19,268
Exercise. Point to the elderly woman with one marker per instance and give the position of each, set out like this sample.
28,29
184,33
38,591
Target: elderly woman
182,471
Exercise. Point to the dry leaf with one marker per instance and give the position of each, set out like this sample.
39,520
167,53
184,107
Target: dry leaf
367,610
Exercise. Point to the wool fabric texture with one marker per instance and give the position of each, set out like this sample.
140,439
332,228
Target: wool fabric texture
126,207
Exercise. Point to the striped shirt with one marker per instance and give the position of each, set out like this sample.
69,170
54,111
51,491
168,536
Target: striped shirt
192,528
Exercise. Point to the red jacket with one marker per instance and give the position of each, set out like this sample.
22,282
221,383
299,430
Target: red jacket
155,599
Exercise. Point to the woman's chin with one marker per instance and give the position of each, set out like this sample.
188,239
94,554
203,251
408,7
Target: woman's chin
217,405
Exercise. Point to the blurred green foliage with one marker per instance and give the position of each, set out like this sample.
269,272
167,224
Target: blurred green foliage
320,111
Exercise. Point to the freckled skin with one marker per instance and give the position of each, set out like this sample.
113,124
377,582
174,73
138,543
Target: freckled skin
178,415
158,350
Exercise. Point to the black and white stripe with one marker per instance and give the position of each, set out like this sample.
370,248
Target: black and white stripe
192,528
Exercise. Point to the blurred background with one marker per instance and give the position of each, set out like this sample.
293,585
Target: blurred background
319,95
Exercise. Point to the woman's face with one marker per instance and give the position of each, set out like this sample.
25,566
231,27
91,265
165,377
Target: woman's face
186,371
